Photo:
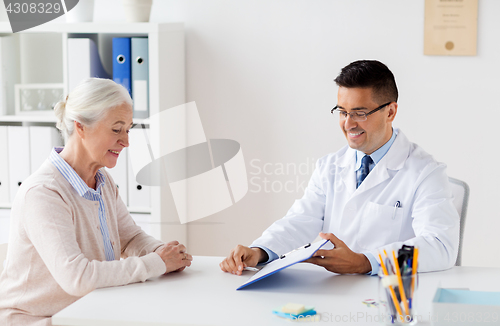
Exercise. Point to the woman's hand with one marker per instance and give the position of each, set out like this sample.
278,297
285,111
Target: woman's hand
174,256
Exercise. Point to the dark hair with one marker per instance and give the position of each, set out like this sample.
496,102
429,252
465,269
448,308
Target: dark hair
370,74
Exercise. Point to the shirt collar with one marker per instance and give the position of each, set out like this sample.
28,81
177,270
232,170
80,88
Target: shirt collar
379,153
72,177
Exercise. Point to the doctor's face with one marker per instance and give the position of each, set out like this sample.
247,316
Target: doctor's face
369,135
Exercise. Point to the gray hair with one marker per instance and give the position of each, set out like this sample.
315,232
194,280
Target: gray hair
88,103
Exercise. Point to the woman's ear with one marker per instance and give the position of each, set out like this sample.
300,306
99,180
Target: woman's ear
80,129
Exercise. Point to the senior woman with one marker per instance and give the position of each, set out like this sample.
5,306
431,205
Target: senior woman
69,226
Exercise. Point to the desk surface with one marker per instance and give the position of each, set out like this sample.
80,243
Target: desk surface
204,295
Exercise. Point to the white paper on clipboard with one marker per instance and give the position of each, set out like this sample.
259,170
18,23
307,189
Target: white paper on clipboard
290,259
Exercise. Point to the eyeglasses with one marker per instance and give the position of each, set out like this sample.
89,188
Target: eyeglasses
357,116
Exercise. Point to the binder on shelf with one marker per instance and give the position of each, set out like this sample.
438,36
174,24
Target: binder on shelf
119,175
83,61
122,62
140,77
10,72
139,196
42,140
19,157
4,166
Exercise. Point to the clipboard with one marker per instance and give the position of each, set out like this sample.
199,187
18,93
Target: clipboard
296,256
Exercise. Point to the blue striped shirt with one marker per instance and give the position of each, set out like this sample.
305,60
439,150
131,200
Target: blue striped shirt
86,192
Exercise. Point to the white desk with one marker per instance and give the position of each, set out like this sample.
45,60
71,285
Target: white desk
204,295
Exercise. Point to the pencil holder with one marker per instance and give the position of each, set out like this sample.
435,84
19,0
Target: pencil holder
397,303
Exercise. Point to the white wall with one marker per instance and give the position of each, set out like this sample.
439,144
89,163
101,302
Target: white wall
261,72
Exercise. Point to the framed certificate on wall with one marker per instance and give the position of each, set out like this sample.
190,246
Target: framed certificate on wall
450,27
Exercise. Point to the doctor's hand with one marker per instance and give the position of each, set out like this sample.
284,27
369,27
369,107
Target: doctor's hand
241,257
340,259
174,256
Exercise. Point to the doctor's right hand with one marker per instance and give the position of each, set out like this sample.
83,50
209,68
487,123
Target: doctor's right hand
241,257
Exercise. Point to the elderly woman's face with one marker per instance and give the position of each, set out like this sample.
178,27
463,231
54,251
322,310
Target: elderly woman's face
108,137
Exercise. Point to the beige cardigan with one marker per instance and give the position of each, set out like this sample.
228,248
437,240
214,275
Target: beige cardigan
56,251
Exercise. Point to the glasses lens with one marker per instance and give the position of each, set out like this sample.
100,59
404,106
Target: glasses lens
358,116
354,115
342,114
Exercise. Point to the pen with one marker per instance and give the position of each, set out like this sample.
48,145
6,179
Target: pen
396,206
252,269
388,265
303,247
406,276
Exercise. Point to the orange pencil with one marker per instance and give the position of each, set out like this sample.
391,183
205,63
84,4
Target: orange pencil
393,294
401,288
414,269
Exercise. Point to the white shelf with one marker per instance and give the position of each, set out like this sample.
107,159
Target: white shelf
99,27
28,118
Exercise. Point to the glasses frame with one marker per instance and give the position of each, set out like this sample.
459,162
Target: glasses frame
360,116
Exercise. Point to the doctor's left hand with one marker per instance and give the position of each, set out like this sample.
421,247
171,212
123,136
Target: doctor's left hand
340,259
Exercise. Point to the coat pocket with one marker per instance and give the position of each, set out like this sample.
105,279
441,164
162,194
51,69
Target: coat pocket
379,225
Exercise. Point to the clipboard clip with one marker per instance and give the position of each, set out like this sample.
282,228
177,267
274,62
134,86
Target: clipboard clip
299,248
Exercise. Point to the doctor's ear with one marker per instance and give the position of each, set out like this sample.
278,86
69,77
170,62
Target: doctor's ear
392,111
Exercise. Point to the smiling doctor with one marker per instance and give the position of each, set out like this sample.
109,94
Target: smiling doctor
379,192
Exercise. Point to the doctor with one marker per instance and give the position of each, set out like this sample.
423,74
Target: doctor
379,192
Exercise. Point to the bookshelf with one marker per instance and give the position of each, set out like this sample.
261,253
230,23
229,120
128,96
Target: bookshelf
166,88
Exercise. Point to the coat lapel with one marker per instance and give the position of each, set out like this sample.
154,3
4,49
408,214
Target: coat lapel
393,160
347,176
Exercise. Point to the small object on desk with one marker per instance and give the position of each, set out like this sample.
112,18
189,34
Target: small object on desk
295,311
293,308
252,269
370,303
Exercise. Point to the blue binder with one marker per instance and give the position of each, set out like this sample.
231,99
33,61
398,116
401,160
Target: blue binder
122,62
140,77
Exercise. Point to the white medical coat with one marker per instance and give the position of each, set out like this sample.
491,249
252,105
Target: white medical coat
367,218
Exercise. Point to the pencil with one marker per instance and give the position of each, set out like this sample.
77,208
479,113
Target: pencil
414,269
393,294
401,288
